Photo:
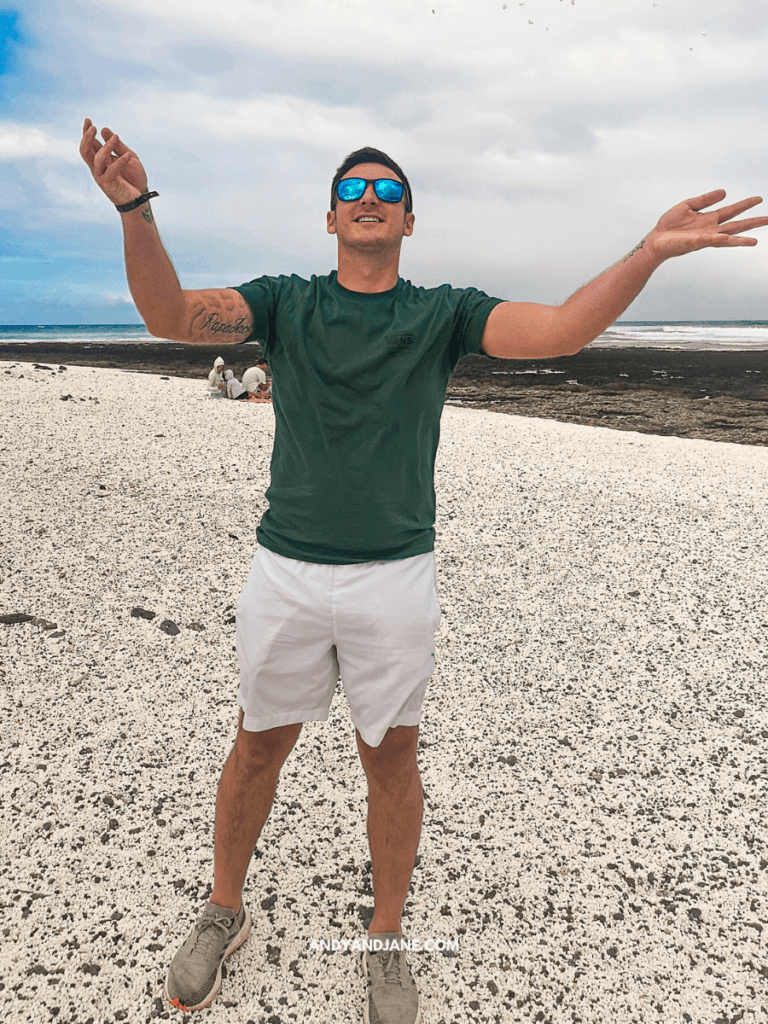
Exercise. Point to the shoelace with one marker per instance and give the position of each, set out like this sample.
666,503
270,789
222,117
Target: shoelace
391,967
211,922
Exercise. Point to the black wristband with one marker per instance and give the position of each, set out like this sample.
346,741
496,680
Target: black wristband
127,207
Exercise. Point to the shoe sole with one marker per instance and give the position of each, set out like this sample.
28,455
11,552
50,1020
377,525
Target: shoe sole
366,1017
238,940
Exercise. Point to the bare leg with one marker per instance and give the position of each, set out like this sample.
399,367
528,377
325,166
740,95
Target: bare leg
394,821
246,792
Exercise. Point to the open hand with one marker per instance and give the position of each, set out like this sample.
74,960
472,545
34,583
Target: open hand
116,169
686,227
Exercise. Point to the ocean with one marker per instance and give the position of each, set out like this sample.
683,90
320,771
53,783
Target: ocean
693,335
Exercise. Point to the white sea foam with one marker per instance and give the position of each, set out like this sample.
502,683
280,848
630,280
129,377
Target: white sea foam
735,337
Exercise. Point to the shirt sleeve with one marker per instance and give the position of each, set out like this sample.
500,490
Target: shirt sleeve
472,309
262,295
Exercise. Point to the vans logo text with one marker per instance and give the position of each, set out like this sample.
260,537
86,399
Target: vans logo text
399,342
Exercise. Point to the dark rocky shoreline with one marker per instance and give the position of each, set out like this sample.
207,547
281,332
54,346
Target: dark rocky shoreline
714,396
720,396
169,358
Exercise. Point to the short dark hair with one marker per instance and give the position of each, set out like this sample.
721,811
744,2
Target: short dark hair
369,155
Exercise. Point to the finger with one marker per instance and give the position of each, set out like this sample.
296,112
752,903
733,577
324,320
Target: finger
723,241
738,241
700,202
89,128
104,159
86,150
116,167
116,144
111,143
744,225
88,147
736,208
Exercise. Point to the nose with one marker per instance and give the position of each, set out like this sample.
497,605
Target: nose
369,196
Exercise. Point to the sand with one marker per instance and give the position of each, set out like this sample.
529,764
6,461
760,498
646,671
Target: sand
593,747
712,394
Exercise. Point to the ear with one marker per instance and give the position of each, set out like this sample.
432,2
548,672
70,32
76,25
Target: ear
330,218
408,224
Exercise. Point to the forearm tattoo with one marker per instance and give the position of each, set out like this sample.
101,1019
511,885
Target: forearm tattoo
218,317
146,213
637,248
216,326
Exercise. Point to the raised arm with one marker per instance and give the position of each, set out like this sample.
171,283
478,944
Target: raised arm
525,330
200,316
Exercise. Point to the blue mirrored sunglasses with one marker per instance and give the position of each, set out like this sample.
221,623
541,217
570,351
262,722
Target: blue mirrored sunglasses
388,190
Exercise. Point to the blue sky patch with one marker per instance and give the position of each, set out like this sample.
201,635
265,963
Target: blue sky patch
10,40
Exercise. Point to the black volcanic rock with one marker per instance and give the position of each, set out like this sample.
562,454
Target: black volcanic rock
142,613
162,357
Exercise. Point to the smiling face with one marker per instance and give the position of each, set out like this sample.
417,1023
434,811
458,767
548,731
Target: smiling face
369,224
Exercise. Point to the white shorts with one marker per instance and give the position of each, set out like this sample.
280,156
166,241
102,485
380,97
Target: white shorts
300,624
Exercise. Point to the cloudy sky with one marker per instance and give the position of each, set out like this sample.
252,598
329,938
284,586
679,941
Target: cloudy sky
542,139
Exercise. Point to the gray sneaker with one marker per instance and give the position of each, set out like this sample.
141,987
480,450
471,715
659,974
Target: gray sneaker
194,977
392,997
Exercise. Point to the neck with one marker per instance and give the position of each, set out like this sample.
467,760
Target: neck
367,272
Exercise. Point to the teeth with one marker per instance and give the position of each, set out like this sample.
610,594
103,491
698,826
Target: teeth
368,220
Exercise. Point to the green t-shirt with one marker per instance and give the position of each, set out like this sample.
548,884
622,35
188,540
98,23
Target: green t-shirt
359,383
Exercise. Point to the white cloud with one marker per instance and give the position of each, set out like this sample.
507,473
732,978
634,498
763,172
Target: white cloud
227,126
25,142
117,298
537,157
595,41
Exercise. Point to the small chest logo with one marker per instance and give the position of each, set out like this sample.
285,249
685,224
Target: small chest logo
400,342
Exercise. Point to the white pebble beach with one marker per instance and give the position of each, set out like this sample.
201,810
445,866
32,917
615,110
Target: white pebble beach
593,744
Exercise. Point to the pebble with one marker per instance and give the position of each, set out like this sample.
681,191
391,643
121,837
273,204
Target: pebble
142,613
14,618
594,748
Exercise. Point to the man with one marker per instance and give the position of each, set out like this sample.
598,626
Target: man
255,375
263,393
255,380
344,574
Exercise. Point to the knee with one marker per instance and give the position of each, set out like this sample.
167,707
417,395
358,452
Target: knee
393,763
264,752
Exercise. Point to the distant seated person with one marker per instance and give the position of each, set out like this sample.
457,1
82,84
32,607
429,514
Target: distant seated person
216,386
234,388
263,393
255,375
